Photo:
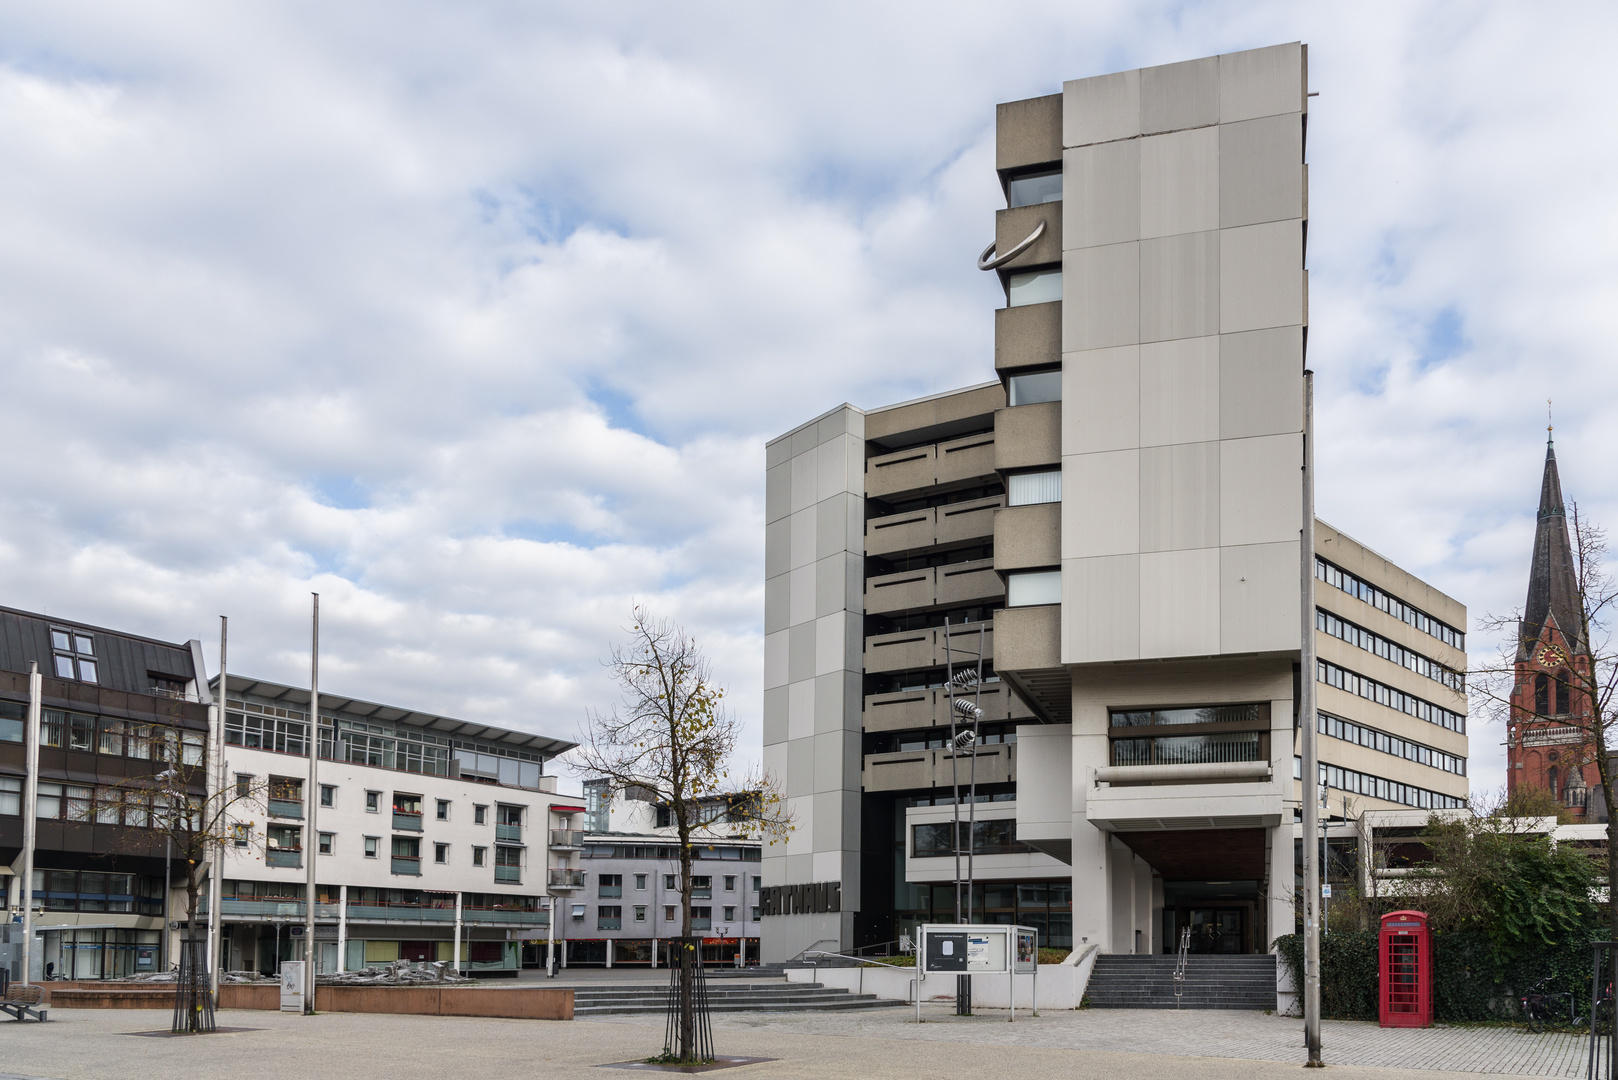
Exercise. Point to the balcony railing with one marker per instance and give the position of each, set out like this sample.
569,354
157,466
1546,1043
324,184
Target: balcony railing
403,912
284,857
609,924
610,892
509,833
508,874
286,808
702,892
284,909
702,924
520,917
407,864
567,838
408,820
567,879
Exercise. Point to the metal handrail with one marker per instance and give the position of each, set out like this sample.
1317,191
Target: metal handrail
1179,964
815,968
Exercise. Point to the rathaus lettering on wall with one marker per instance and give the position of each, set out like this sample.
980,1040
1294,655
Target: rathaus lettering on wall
822,896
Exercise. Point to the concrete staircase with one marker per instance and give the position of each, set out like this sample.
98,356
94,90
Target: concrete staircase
724,998
1211,982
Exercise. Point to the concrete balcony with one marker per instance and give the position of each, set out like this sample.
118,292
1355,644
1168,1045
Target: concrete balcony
905,770
969,520
1028,638
1168,806
909,650
1029,336
1028,537
969,582
912,709
1012,227
901,532
902,591
970,458
901,472
1028,436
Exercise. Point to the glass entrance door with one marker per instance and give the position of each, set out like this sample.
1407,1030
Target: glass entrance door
1217,930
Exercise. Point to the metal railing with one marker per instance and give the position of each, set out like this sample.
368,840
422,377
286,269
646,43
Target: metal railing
510,833
567,838
508,874
284,857
407,820
286,808
567,879
521,917
407,864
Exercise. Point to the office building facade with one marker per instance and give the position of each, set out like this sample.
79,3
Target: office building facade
1115,523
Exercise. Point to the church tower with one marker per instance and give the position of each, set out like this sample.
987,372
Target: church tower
1548,740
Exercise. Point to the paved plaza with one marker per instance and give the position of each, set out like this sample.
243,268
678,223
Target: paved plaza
1103,1044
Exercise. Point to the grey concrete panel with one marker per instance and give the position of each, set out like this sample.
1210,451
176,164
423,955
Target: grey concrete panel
1179,603
852,743
1261,493
1179,496
901,651
1028,537
801,595
969,582
1179,182
1259,82
803,531
1258,607
1028,132
777,452
1177,96
947,408
805,482
831,525
898,771
1013,226
901,471
828,822
1100,297
776,651
966,459
1261,170
829,764
800,767
1100,504
899,591
831,584
1101,400
1028,435
778,491
1101,609
1261,382
800,870
801,652
775,715
854,598
1101,194
1179,286
835,456
899,711
901,532
844,421
1028,638
1179,391
1261,273
804,440
777,547
971,519
831,645
800,711
777,603
1101,109
1027,336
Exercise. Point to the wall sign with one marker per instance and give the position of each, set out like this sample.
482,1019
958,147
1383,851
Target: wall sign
814,899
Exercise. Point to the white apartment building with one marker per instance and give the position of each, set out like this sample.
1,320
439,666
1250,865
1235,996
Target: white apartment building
423,828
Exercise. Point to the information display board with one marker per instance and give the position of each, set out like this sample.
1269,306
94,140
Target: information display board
1027,960
980,950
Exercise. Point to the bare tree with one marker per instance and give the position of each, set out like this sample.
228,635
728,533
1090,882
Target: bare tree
1575,653
671,738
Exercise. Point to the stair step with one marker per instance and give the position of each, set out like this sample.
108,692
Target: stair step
1211,982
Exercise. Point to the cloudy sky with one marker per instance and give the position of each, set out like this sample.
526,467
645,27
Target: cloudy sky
475,317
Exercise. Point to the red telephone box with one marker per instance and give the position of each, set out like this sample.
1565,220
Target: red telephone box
1405,954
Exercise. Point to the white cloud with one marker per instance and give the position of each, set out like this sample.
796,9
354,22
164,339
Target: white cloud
475,319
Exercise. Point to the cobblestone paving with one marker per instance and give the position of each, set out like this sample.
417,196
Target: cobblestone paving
1199,1033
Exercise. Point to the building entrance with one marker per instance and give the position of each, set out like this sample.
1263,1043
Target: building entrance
1219,914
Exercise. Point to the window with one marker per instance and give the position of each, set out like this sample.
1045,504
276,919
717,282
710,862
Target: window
730,882
326,839
668,913
640,882
10,796
756,914
284,736
11,722
478,854
701,886
640,912
406,855
74,650
370,846
1033,387
508,815
1562,679
1025,489
668,881
701,918
284,837
480,815
242,834
1035,287
244,784
1032,189
994,837
328,795
441,853
757,882
608,885
730,914
1034,587
443,809
609,917
373,802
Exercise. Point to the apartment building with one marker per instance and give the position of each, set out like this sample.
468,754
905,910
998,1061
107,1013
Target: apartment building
631,900
114,708
1113,526
424,828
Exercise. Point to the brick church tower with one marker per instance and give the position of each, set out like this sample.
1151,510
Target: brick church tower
1548,741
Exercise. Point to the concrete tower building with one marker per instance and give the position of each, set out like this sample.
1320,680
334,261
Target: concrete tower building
1116,517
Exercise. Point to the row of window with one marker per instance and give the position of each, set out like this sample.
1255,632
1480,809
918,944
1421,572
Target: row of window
283,789
1363,590
993,837
661,851
611,916
1371,690
1361,735
90,890
1376,787
289,839
101,735
365,896
102,805
1362,638
610,886
73,654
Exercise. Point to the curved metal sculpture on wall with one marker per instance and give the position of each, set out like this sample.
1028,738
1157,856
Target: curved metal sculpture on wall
989,261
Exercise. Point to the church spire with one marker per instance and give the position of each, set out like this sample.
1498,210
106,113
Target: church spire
1552,588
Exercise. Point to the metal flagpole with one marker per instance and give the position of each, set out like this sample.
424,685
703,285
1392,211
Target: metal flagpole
216,811
972,804
30,817
1311,749
954,772
311,842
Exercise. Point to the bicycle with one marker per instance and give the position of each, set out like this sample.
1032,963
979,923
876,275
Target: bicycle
1536,1007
